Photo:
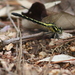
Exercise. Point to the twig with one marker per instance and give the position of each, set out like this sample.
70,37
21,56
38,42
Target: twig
69,31
20,55
2,24
16,40
11,18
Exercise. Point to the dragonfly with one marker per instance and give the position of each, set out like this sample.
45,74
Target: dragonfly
50,26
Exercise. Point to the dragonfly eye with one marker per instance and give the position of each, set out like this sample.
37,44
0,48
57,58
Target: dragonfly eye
60,30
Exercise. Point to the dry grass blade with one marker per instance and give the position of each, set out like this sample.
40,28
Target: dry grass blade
11,18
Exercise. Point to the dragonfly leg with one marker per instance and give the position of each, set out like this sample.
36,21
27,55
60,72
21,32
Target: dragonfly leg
56,35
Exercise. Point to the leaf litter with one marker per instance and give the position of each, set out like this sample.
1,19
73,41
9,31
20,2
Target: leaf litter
28,56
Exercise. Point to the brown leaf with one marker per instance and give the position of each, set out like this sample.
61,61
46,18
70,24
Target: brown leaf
62,19
8,47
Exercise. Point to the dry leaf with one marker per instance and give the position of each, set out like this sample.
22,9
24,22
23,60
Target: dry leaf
12,34
68,6
53,41
55,72
72,49
65,35
4,37
3,11
51,4
59,58
73,71
8,47
6,28
25,3
42,54
4,64
62,19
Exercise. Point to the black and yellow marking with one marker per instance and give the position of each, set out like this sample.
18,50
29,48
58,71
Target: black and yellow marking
50,26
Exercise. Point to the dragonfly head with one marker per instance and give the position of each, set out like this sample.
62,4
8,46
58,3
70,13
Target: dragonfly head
59,30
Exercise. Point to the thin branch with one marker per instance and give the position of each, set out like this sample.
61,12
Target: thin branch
69,31
16,40
11,18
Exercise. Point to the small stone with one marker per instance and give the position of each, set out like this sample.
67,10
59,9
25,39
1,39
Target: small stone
72,48
42,54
